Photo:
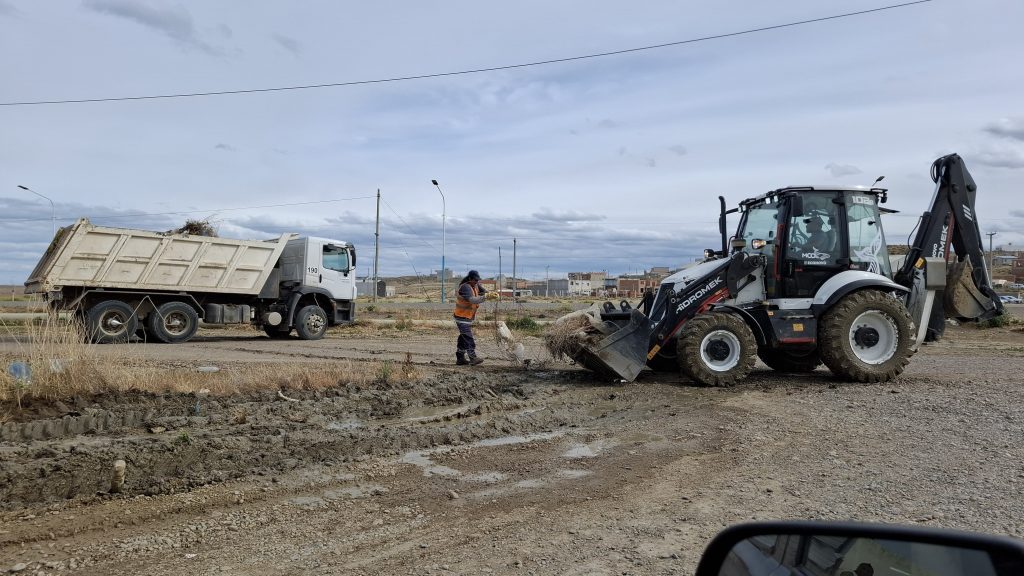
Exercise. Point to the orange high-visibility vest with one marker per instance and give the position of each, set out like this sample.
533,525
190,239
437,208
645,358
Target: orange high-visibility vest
464,308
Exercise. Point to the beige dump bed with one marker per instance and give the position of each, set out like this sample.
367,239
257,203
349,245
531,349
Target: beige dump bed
120,258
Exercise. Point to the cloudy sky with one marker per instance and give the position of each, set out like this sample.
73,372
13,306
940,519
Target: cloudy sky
609,163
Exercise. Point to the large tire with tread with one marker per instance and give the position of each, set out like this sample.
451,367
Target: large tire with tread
716,349
937,320
311,322
790,362
667,359
172,323
111,322
867,337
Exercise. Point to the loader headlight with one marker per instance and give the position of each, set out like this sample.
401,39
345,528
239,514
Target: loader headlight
757,244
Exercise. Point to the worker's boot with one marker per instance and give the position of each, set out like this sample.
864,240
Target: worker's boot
460,358
474,360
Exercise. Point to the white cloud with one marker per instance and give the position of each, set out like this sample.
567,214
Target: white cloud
840,170
174,21
1012,128
288,43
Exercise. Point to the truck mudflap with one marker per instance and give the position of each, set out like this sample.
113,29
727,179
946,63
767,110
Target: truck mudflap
609,348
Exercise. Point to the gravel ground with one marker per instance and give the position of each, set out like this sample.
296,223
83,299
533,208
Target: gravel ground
500,470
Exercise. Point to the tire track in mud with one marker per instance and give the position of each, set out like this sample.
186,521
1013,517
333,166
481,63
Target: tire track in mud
189,442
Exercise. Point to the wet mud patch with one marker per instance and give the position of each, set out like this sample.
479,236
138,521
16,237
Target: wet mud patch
176,444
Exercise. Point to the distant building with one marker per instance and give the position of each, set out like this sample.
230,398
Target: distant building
365,288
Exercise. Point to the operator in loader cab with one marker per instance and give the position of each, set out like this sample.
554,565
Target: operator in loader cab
468,298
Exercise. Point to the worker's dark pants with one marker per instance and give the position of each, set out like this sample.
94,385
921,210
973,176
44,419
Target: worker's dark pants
466,343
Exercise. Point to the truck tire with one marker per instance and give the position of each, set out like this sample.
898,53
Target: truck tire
716,349
790,362
111,322
937,320
172,323
275,332
311,322
867,337
667,359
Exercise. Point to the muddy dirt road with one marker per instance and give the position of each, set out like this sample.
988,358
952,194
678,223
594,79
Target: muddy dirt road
501,470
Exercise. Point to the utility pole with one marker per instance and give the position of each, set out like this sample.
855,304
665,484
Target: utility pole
444,219
514,286
376,249
991,257
498,284
547,281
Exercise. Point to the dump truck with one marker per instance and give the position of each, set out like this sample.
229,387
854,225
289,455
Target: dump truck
805,280
119,282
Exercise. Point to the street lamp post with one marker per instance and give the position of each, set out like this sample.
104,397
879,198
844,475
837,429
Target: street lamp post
53,211
444,211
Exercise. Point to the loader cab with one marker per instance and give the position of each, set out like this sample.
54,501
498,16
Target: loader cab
811,234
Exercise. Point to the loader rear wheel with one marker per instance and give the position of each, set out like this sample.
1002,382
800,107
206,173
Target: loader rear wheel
867,337
790,362
311,322
111,322
172,323
716,349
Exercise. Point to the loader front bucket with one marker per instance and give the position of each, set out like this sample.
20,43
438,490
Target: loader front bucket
622,353
964,301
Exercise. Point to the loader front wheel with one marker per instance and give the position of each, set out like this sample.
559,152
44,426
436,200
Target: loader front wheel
111,322
716,349
867,337
791,362
311,322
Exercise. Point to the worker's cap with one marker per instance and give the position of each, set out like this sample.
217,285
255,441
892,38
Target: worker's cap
473,275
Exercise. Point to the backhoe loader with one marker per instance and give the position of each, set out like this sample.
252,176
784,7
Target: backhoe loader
805,280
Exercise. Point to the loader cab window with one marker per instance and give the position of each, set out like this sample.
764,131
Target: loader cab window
761,223
336,258
867,241
814,233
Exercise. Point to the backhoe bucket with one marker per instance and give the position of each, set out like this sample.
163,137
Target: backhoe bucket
964,301
621,353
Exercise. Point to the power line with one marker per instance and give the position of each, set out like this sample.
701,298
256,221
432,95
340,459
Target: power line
463,72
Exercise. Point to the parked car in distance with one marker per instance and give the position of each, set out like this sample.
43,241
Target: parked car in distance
1007,299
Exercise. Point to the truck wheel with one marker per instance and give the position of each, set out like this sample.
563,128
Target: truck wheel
111,322
311,322
791,362
275,332
173,322
667,359
867,337
716,349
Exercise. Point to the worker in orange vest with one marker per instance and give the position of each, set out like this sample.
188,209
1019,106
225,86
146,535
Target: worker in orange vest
468,298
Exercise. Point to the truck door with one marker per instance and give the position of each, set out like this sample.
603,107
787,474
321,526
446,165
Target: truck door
330,266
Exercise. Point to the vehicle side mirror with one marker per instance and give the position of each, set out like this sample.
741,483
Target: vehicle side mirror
739,243
855,549
709,253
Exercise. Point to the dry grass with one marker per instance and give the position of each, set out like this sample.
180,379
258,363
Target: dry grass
64,365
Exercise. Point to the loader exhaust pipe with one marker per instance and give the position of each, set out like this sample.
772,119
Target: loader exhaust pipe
721,227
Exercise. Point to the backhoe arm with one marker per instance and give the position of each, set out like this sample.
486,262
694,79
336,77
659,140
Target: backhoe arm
951,221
